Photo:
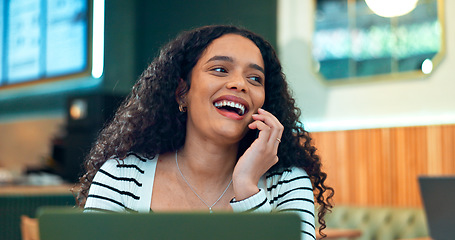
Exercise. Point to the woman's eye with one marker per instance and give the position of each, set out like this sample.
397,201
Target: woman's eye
256,79
219,69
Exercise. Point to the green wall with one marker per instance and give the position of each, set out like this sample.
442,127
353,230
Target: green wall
160,21
134,32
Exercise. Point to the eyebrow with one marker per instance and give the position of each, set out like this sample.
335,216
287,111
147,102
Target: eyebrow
230,59
257,67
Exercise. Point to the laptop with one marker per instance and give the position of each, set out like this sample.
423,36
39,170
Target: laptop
69,224
438,195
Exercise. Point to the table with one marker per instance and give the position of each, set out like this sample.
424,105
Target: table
64,189
339,233
424,238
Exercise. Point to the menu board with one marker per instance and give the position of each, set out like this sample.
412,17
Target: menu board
66,45
23,39
2,32
44,38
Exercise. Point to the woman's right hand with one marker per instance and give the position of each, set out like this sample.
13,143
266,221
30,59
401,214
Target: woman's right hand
259,157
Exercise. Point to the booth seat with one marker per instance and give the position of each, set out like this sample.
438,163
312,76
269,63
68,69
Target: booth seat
380,223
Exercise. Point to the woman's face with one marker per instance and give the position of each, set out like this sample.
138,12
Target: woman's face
227,87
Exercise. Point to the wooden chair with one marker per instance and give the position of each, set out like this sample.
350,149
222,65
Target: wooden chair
29,228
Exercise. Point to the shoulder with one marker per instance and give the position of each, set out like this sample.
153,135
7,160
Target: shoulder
289,176
132,160
121,185
287,173
133,165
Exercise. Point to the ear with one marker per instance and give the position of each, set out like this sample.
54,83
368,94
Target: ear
181,92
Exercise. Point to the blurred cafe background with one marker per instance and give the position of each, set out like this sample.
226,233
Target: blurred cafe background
375,85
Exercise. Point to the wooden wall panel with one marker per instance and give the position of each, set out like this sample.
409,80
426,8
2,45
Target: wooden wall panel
379,167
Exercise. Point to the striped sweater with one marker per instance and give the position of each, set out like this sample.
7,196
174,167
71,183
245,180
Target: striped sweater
127,185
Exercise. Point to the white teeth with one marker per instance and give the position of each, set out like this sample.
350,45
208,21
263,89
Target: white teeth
223,103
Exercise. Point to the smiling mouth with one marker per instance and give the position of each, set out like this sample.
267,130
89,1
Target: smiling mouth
230,106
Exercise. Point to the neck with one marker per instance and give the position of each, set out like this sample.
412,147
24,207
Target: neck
201,161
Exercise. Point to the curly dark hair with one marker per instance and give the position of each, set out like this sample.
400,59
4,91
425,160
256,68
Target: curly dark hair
149,122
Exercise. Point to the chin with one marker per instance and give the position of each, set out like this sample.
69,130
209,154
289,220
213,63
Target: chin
233,136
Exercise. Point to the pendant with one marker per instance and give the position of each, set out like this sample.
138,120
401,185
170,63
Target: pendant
210,210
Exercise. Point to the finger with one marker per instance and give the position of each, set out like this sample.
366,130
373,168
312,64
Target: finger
261,126
267,136
263,114
264,130
268,118
276,127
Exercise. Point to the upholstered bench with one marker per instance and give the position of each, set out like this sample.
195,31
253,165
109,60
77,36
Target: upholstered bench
380,223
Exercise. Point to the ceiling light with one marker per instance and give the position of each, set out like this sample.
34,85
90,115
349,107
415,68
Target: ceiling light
427,66
391,8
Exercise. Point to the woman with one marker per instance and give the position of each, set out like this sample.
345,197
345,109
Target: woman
210,125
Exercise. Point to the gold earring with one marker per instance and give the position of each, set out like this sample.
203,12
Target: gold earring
182,108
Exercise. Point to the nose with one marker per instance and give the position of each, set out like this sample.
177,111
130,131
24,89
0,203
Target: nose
237,82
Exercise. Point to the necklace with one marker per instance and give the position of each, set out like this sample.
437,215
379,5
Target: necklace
189,185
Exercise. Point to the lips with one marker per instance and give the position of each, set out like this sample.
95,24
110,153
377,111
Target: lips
231,106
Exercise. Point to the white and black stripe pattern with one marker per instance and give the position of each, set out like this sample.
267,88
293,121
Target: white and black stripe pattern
142,159
116,185
114,177
286,191
116,190
126,186
294,193
130,166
